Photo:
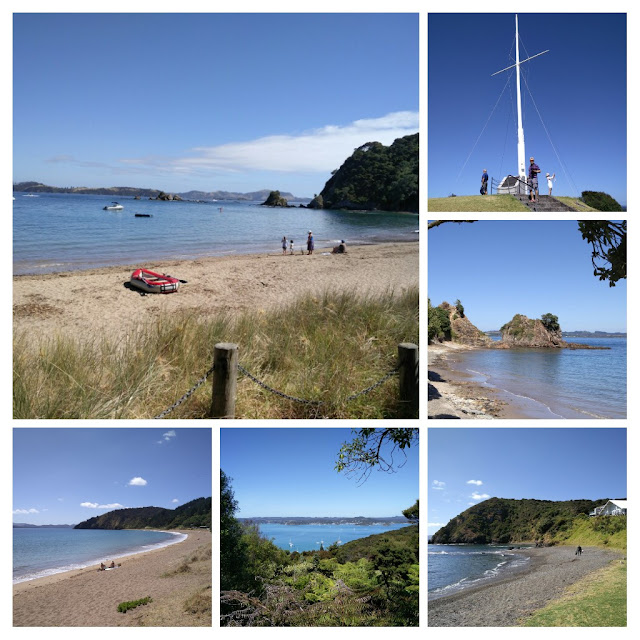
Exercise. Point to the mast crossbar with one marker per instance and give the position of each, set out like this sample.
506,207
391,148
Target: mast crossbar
522,62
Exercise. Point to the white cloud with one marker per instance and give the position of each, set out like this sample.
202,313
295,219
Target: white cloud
476,482
438,485
24,511
96,505
480,496
318,150
175,500
137,482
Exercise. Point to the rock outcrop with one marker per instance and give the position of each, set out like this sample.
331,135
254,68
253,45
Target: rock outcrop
462,330
521,331
275,200
316,203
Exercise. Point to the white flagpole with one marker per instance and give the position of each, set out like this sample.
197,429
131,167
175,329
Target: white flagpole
521,161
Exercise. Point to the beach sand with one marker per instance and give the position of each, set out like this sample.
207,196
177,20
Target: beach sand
89,598
90,304
502,603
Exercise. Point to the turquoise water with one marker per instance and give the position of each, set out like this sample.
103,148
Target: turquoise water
42,552
64,232
556,383
455,567
307,537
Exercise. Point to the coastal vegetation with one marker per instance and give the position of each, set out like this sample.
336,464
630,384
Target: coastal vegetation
196,513
377,177
601,201
501,520
321,348
372,581
123,607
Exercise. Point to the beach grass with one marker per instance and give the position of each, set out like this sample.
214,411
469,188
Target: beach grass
497,203
606,532
320,348
598,600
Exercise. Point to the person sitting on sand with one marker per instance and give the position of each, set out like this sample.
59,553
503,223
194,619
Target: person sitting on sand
102,567
112,565
341,248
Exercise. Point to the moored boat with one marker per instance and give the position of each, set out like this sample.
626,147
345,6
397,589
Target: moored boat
152,282
114,206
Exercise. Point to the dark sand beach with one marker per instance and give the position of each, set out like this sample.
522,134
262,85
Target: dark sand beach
89,598
503,602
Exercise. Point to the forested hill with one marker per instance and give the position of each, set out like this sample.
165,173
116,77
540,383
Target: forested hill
196,513
377,177
506,520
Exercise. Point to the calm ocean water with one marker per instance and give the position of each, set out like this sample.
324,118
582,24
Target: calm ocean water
64,232
307,537
455,567
556,383
42,552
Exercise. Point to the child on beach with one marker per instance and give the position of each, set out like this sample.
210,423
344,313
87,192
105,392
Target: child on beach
291,248
284,245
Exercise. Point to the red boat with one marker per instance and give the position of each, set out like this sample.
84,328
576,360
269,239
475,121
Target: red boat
152,282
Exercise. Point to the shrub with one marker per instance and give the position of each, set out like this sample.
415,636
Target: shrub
123,607
600,201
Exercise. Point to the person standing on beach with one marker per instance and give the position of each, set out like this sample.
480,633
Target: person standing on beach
579,551
484,181
284,245
310,243
291,247
534,170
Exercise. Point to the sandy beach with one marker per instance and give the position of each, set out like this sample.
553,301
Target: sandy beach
89,598
95,303
504,602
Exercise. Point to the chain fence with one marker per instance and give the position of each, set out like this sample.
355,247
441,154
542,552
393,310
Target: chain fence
281,394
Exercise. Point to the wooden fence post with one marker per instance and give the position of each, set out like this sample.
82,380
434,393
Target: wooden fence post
225,380
408,375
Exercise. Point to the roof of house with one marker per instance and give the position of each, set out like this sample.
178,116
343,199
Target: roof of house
622,504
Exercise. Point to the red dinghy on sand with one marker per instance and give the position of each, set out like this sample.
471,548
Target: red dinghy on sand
152,282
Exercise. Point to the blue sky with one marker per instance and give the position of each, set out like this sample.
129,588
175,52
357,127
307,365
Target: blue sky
208,101
65,476
467,466
500,268
579,88
290,472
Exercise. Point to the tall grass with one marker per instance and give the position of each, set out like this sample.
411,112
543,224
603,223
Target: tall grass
321,348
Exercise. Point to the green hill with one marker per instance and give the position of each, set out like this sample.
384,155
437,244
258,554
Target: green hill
196,513
406,537
377,177
505,520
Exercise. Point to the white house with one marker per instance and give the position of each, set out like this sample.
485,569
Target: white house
611,508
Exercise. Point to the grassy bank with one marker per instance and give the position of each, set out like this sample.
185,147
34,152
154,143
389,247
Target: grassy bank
322,348
476,203
574,203
598,600
603,531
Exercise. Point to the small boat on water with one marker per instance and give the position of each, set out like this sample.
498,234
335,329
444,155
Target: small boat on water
152,282
143,215
114,206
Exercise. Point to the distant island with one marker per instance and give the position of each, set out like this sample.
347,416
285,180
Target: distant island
24,525
133,192
357,521
576,334
196,513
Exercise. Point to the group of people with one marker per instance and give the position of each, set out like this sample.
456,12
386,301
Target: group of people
288,244
532,182
103,566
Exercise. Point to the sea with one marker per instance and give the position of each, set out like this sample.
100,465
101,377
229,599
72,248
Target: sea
555,383
39,552
452,568
67,232
308,537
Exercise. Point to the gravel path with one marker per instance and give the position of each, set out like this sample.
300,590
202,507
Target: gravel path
502,603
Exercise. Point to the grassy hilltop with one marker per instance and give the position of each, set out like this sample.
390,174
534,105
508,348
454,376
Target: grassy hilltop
494,203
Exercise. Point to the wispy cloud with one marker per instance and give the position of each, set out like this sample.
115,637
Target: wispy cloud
438,485
436,524
476,482
97,505
137,482
318,150
480,496
24,511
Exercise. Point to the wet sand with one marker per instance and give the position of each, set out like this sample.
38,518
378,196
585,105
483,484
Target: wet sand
505,602
89,598
91,304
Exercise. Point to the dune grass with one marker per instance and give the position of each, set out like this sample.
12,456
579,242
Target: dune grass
321,348
497,203
598,600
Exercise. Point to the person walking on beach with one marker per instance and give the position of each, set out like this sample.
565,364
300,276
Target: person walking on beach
484,181
310,243
534,170
550,180
284,245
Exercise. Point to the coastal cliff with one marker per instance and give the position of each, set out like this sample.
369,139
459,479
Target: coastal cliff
501,520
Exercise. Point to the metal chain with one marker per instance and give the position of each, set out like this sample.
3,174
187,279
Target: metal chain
317,403
177,403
